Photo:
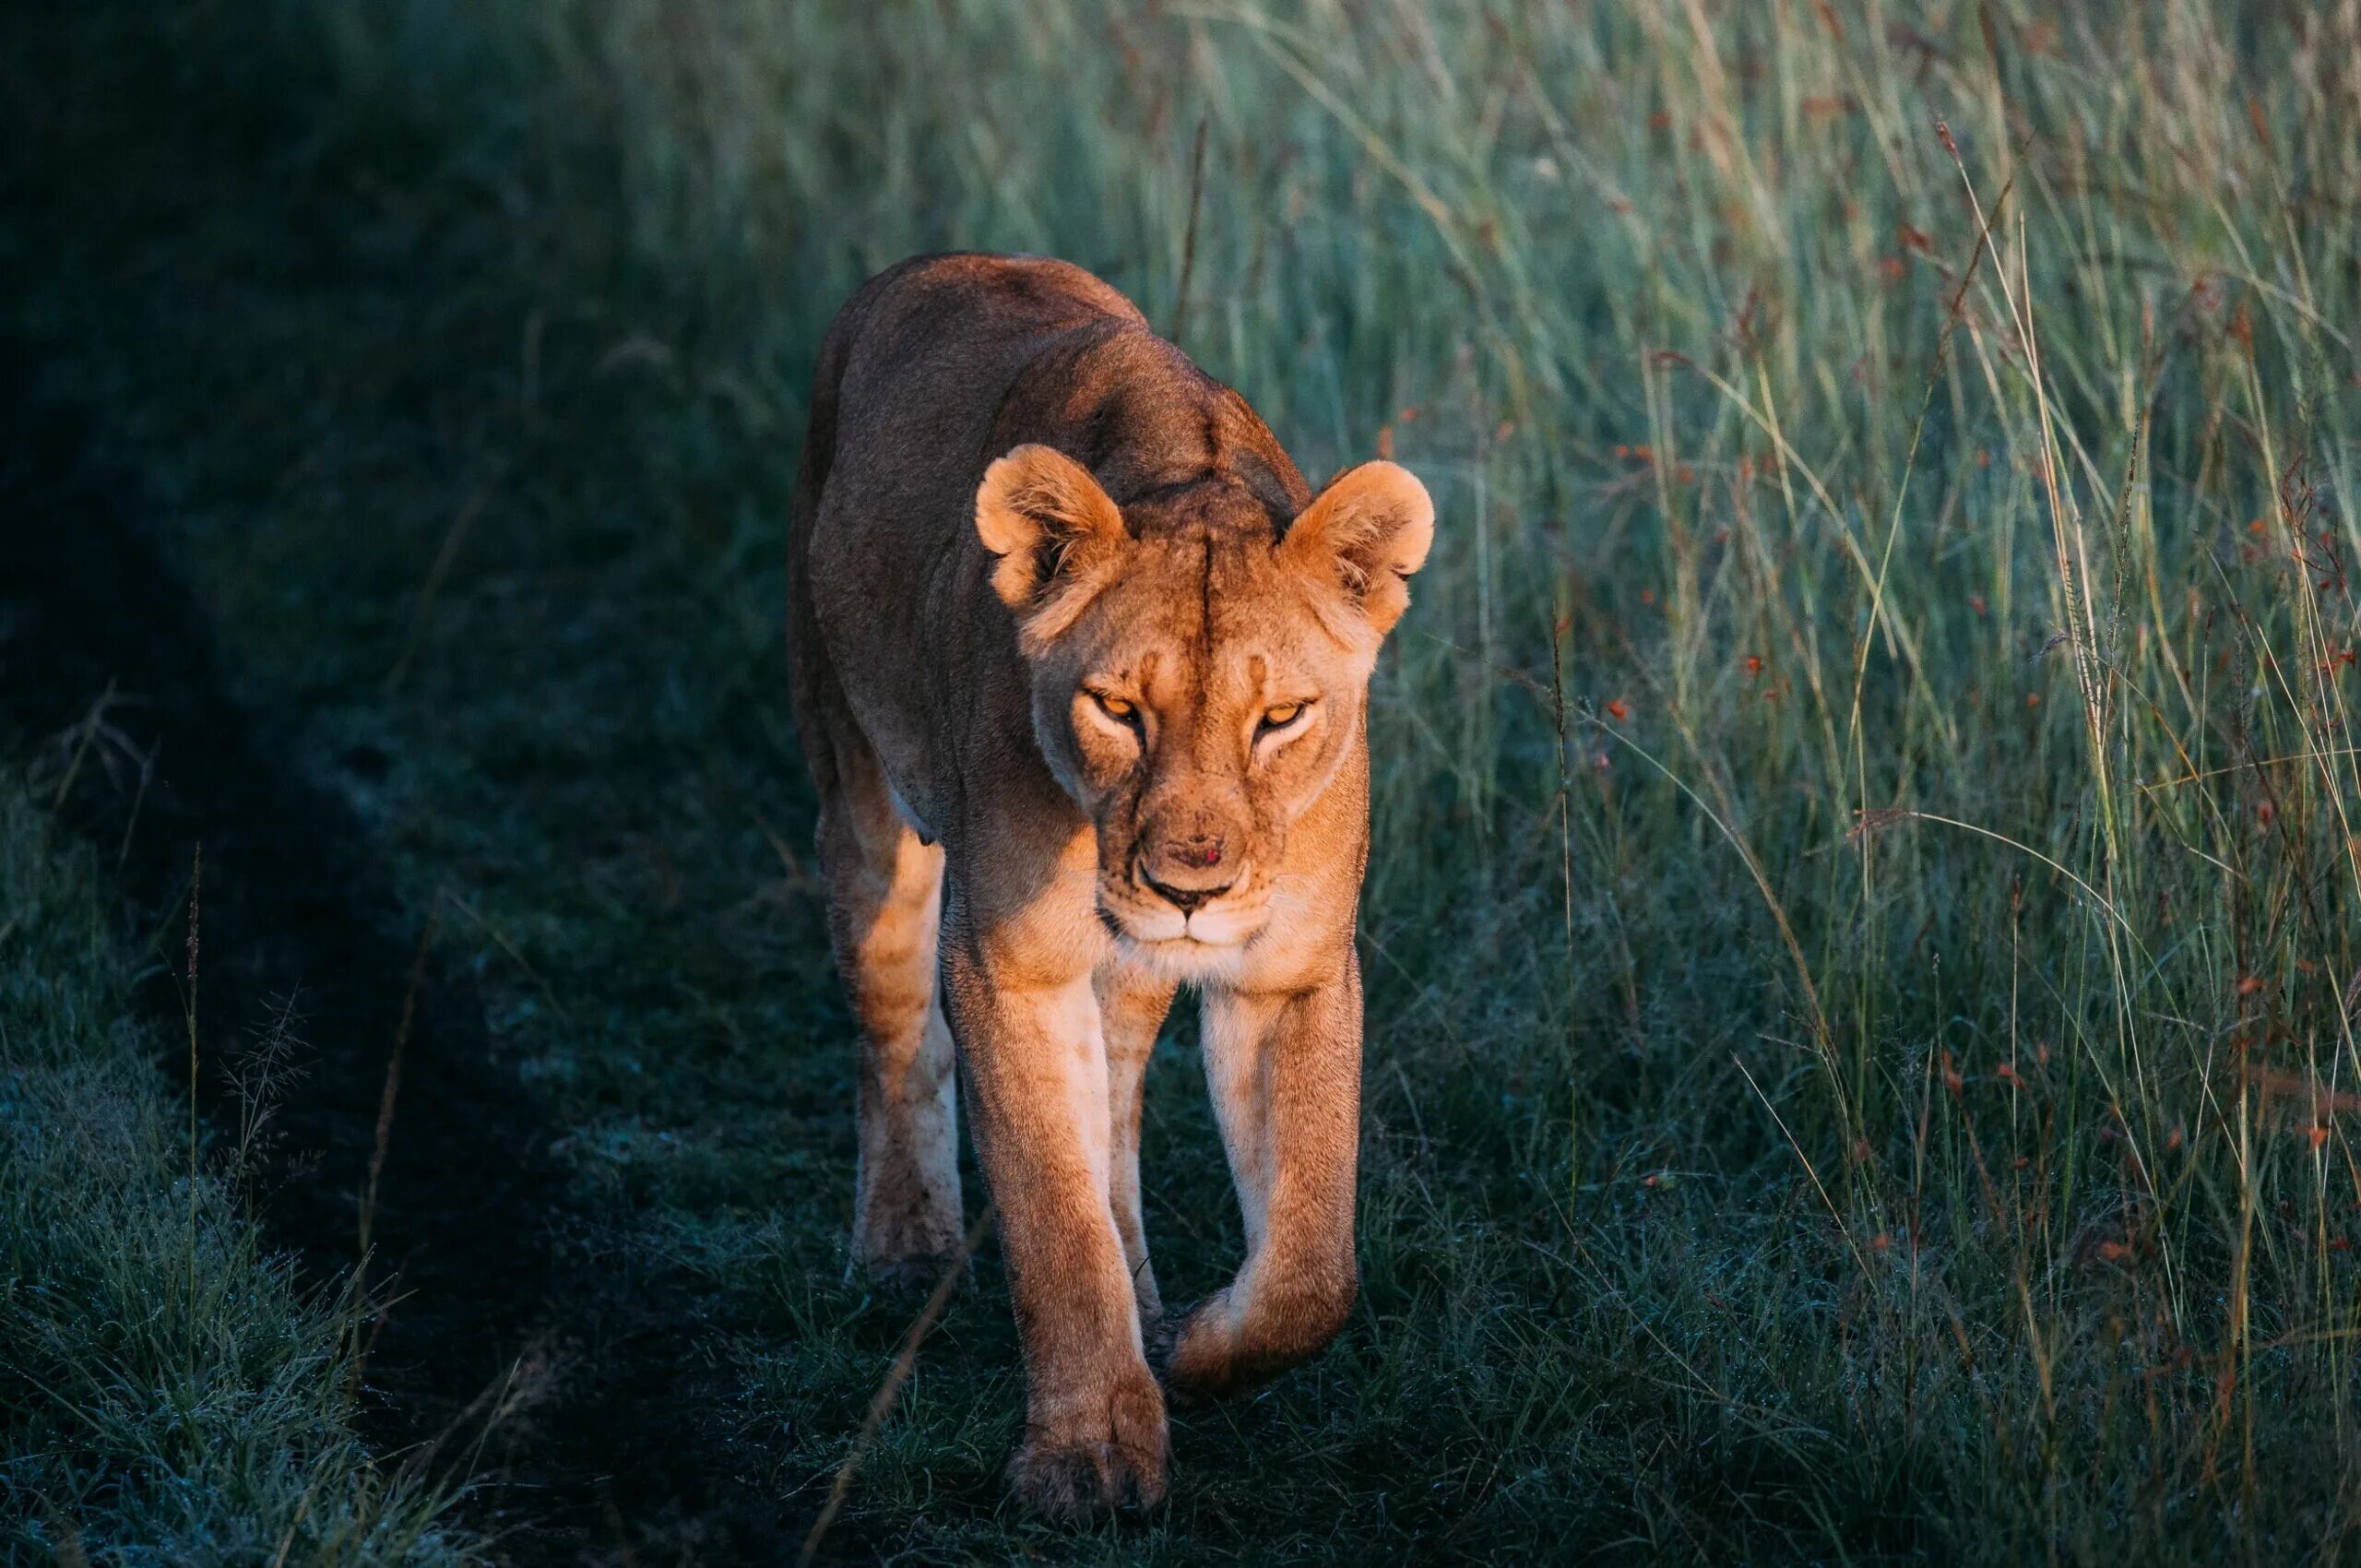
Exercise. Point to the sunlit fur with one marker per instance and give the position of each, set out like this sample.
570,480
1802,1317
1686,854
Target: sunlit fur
1081,662
1206,630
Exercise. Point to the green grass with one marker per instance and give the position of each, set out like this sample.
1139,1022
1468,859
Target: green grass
1862,925
168,1393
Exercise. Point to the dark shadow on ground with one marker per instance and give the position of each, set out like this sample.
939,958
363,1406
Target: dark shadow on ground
500,1272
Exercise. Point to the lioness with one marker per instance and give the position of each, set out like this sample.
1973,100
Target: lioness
1080,667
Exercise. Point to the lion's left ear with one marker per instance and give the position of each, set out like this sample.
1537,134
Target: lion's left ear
1368,529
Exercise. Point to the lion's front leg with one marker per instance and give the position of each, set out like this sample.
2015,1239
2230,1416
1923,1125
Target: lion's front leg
1284,1070
1035,1064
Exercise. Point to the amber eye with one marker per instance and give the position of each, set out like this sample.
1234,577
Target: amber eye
1116,708
1279,717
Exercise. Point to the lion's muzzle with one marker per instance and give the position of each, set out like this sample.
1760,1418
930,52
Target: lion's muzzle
1152,909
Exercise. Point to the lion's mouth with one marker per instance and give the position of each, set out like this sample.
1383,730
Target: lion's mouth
1145,920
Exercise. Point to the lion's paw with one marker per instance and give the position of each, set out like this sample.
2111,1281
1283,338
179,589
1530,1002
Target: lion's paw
911,1277
1112,1462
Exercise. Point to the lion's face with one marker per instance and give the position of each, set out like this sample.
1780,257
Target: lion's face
1194,711
1197,683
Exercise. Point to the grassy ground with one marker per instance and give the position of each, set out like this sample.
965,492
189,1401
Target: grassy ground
1861,929
168,1392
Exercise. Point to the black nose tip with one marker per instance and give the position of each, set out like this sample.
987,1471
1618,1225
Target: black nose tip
1187,899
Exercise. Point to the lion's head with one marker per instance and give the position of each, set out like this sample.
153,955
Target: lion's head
1198,676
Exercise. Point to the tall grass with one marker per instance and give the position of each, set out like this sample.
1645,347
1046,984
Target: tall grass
168,1393
1927,450
1862,926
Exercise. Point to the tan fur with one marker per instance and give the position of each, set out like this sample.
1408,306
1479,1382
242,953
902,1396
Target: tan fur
1075,643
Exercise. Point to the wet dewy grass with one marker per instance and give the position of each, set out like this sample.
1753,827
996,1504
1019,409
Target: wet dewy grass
168,1392
1860,931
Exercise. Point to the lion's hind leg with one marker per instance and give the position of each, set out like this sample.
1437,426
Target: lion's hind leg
1132,1005
885,889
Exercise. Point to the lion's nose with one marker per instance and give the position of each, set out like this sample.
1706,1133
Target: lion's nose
1188,870
1199,850
1187,873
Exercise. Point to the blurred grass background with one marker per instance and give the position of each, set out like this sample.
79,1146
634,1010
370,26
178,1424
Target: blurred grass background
1861,929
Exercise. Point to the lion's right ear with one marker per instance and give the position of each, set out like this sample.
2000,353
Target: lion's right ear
1055,532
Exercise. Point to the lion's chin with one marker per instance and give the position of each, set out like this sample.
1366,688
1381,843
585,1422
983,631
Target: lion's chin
1190,946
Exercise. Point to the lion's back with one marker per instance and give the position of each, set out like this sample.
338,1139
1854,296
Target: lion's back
924,353
912,376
